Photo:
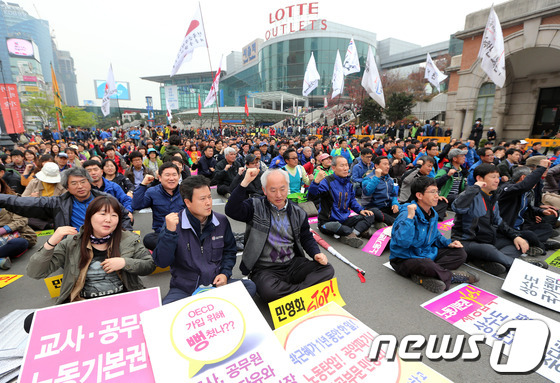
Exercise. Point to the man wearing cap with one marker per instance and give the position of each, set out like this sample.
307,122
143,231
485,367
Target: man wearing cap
265,156
153,162
491,134
453,174
325,162
62,161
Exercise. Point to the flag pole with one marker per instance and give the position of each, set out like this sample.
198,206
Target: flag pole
210,62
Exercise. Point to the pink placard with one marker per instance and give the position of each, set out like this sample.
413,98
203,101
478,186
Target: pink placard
194,172
213,187
445,225
313,220
94,340
459,303
377,243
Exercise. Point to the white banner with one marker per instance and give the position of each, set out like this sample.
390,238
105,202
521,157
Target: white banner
311,78
194,38
433,74
172,97
492,51
337,77
351,60
371,80
110,89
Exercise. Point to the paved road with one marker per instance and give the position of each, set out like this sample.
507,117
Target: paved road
386,302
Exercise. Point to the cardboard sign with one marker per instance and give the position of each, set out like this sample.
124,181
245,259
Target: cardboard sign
298,304
331,345
445,225
554,259
94,340
377,243
534,284
216,336
474,311
6,279
53,285
160,270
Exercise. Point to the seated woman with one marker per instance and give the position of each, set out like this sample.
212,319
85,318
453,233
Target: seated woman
110,173
15,235
99,260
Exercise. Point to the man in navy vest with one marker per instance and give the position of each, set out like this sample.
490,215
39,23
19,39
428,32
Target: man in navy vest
197,243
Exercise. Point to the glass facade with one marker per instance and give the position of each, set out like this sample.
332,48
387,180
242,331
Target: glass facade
189,87
282,65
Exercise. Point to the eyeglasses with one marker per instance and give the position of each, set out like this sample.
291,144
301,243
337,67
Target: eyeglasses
432,191
292,158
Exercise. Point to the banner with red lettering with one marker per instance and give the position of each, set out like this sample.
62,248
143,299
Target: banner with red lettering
11,109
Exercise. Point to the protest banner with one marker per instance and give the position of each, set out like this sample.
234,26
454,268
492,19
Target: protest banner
298,304
378,241
216,336
44,233
476,311
53,285
330,344
6,279
93,340
534,284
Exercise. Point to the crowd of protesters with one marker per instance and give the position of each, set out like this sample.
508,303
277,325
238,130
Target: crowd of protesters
504,195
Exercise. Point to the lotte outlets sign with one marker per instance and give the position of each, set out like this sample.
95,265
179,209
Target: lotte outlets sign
294,18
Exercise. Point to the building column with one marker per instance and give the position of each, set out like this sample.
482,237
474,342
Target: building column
467,127
281,102
273,105
458,124
499,128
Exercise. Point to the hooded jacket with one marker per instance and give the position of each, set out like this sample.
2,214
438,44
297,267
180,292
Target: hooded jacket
337,198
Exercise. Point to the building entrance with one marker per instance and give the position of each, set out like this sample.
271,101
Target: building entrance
547,116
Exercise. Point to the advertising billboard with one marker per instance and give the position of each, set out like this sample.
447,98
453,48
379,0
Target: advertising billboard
20,47
123,90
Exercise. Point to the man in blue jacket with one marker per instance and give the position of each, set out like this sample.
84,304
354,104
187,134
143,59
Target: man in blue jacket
361,169
418,250
100,183
197,243
380,186
337,198
162,199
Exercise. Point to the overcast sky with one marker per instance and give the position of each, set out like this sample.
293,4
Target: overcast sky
142,37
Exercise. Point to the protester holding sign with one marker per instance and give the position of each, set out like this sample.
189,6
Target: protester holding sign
197,243
419,250
99,260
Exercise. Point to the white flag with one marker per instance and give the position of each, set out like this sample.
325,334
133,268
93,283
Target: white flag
371,80
492,50
337,77
110,89
432,73
311,78
215,87
194,38
351,60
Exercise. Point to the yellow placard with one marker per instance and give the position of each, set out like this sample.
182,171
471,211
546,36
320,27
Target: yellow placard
160,270
6,279
554,259
298,304
545,142
445,140
53,285
44,232
136,231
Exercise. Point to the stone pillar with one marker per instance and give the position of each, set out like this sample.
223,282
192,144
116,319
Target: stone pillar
467,124
499,128
281,102
458,123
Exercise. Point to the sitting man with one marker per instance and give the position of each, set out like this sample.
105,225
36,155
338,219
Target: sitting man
337,198
361,169
428,260
100,183
163,199
226,170
197,243
452,176
515,199
298,175
277,235
254,189
489,241
68,209
380,186
137,171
